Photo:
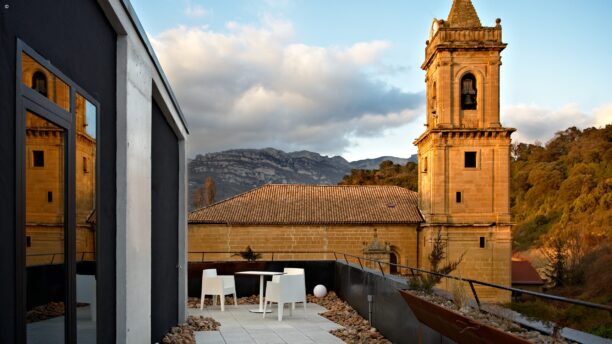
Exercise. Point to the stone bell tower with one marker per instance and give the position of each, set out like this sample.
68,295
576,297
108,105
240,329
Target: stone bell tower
464,153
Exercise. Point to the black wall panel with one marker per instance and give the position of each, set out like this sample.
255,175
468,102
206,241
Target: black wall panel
164,226
391,315
75,36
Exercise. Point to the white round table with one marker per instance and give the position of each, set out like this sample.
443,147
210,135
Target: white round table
261,275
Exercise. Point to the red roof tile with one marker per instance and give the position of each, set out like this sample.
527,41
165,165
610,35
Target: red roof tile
288,204
524,273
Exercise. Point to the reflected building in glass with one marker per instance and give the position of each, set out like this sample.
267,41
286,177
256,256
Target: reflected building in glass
44,173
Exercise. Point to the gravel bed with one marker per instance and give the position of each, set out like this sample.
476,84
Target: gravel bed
185,333
356,329
194,302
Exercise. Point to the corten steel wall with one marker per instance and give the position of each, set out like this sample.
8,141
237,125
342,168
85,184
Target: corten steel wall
77,39
164,226
390,313
317,272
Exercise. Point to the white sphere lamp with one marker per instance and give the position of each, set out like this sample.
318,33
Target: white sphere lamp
320,291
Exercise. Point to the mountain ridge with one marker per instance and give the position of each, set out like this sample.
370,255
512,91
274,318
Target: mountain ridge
238,170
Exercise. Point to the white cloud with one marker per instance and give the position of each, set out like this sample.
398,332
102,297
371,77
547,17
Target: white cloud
603,115
535,123
195,10
254,86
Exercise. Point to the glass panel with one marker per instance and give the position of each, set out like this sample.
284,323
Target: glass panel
45,271
86,114
40,79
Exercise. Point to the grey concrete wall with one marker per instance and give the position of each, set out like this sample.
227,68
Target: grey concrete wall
138,83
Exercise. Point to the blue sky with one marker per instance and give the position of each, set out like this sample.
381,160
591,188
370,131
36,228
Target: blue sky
555,70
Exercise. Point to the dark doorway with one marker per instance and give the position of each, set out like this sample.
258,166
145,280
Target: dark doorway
393,260
164,226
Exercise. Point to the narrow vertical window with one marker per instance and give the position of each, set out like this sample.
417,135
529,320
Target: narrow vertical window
468,92
50,196
425,164
85,167
469,160
458,197
38,158
39,83
482,242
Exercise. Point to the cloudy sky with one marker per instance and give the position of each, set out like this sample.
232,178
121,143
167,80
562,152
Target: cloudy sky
343,77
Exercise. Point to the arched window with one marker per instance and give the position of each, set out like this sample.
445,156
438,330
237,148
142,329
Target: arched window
468,92
39,83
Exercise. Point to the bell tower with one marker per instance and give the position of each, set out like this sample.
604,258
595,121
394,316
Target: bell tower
464,153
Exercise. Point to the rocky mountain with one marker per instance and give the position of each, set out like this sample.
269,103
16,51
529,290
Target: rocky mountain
239,170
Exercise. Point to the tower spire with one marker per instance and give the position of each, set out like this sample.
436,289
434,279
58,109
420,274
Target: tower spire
463,15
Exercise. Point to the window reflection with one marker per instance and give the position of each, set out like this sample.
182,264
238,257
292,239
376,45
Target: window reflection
45,292
40,79
86,114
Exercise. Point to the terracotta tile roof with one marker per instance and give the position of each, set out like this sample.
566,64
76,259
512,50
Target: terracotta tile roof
463,15
524,273
314,204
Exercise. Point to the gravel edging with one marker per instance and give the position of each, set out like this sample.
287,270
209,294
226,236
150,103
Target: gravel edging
185,333
356,329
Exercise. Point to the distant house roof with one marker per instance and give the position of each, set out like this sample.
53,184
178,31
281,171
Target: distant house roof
314,204
524,273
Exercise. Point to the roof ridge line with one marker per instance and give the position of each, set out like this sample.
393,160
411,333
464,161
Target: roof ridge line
228,199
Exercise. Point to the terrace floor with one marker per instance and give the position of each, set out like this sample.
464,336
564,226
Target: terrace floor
238,325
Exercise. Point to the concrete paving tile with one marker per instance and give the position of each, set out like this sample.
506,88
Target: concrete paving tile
212,337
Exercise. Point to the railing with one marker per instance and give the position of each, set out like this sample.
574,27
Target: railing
412,270
54,255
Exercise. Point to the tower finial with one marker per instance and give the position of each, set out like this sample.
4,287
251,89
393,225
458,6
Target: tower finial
463,15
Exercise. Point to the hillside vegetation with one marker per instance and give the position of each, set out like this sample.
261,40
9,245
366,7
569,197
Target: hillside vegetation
563,189
388,174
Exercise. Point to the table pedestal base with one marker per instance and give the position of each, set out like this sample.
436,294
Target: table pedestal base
260,311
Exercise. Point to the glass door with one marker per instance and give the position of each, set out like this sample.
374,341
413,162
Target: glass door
57,197
46,227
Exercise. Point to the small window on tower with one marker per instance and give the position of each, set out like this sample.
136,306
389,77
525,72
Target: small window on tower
470,160
458,197
468,92
482,242
425,164
50,196
85,165
38,158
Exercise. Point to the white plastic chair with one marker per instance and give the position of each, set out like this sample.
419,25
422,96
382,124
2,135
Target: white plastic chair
285,289
215,285
295,271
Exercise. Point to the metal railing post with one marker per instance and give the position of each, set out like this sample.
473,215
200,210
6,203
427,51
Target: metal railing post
359,260
475,295
381,269
335,256
346,259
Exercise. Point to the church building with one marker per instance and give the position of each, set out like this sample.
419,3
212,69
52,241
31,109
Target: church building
463,180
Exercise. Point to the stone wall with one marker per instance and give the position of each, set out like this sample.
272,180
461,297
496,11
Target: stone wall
339,238
491,263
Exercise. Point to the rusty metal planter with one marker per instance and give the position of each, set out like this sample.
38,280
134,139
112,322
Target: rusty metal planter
454,325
